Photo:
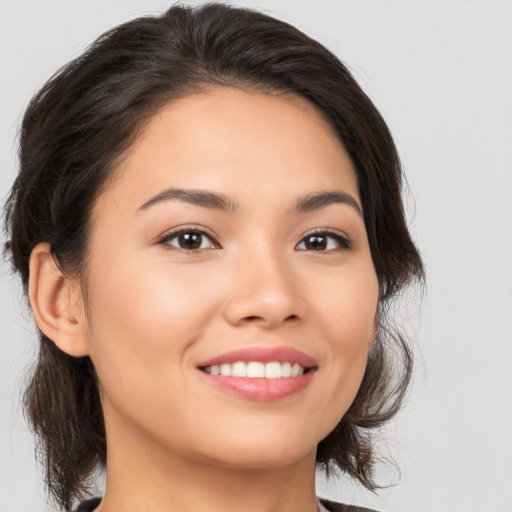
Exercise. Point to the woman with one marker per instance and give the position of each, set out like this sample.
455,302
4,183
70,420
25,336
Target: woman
209,227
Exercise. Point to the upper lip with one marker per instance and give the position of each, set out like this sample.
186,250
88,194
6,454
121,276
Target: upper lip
262,354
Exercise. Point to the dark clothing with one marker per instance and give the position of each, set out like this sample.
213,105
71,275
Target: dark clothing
90,505
339,507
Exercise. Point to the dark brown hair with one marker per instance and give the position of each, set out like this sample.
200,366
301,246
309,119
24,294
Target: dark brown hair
78,126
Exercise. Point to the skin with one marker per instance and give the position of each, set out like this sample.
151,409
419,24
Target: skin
154,311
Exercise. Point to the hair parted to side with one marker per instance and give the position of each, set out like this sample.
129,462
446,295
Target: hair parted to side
74,133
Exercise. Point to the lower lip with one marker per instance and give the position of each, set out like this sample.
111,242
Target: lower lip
259,388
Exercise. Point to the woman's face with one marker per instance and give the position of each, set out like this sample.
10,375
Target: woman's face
232,235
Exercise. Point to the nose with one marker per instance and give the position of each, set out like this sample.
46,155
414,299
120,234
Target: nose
266,292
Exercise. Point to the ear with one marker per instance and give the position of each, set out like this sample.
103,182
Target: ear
57,303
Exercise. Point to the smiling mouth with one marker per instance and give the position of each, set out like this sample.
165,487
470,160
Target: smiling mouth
260,373
257,369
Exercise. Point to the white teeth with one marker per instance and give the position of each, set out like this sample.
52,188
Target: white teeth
286,369
239,369
297,370
256,369
273,370
225,369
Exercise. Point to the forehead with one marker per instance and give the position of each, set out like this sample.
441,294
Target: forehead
236,142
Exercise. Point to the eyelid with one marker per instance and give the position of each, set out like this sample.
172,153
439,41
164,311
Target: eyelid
345,243
175,232
341,238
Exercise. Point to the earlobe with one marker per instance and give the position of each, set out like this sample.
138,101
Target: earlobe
55,302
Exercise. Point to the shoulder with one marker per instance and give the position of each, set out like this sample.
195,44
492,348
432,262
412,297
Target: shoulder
332,506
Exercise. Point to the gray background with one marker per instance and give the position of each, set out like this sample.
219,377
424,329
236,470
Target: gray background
441,73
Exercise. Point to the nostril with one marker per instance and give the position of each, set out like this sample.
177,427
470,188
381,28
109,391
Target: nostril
260,309
256,317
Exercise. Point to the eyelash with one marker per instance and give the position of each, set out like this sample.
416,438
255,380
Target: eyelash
187,230
344,244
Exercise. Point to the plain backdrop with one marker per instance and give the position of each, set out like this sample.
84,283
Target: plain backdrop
441,74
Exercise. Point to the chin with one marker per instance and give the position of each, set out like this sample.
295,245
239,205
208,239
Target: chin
259,452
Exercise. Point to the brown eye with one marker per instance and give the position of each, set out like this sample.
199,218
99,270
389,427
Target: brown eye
315,242
323,241
189,240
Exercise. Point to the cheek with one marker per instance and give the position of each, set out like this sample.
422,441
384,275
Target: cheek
147,300
349,322
144,318
348,308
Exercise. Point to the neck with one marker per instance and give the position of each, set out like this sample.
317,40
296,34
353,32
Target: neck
147,477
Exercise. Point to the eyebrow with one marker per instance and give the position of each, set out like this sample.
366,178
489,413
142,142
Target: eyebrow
320,200
197,197
216,201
